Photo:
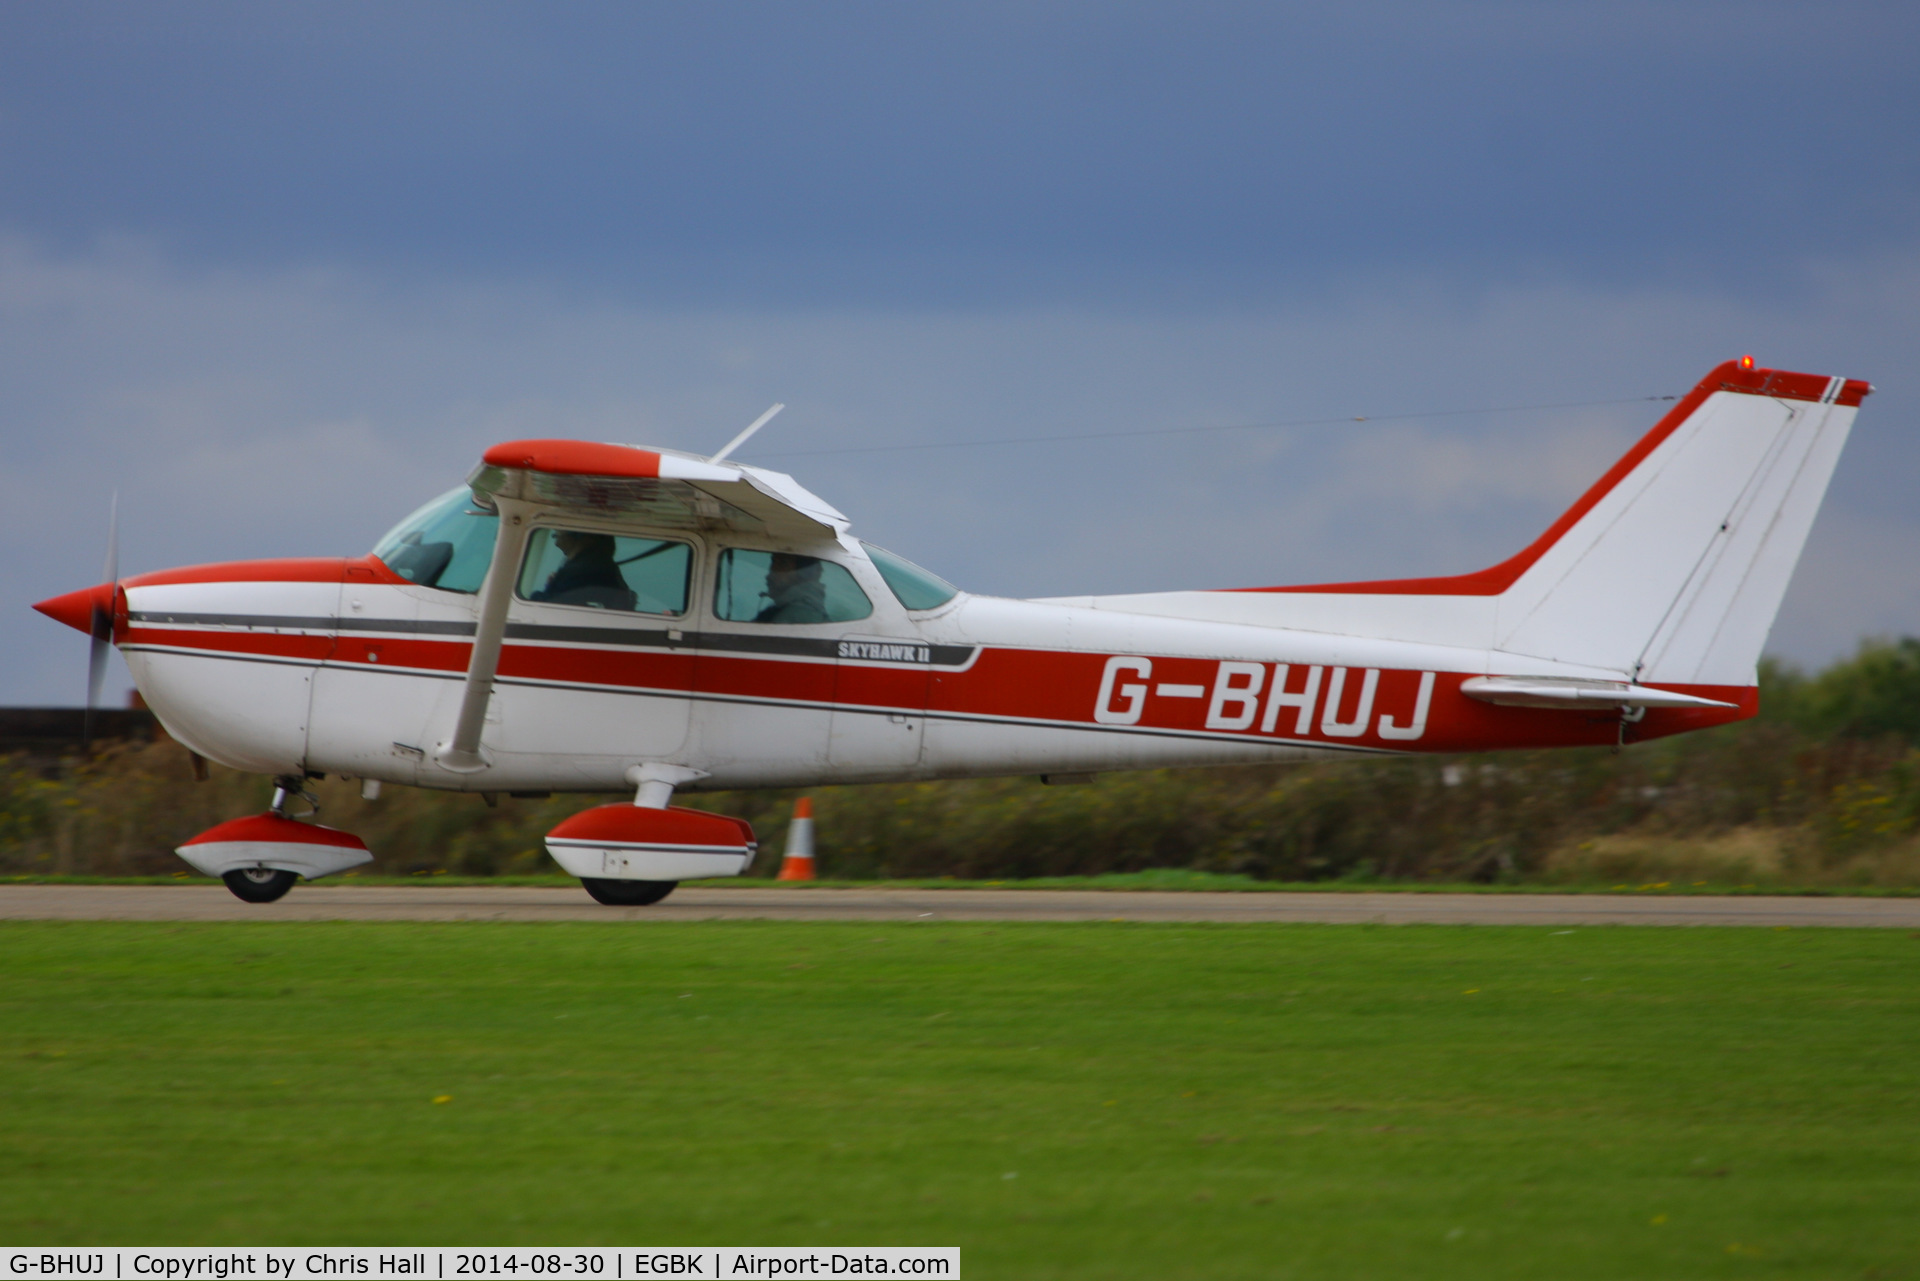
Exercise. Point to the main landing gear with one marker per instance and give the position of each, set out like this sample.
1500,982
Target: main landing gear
632,855
624,893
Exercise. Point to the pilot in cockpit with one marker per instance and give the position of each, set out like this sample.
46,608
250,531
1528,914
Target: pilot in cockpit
589,575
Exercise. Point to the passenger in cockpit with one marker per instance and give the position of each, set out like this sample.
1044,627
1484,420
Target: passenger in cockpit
795,590
589,575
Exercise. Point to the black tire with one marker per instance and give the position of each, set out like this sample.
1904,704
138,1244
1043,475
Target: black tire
259,884
627,893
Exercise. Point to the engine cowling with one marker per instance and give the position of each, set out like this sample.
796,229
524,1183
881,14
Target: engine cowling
627,842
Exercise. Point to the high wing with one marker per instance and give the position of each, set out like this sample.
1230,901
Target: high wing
661,488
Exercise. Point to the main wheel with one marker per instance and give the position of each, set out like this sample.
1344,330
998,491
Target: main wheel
260,884
625,893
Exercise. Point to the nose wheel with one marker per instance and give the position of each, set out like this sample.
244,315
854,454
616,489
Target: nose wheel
270,884
259,884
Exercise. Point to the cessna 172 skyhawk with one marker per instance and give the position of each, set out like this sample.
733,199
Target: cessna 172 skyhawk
592,618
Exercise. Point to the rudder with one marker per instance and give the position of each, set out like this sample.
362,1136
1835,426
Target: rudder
1672,567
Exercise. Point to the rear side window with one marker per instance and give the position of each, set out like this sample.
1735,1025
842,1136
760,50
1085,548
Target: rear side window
605,571
780,587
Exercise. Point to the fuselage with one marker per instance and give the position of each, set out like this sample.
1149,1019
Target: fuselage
344,667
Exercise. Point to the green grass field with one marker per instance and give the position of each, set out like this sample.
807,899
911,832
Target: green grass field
1059,1100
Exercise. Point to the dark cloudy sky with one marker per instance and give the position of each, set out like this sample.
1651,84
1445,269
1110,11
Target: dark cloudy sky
279,271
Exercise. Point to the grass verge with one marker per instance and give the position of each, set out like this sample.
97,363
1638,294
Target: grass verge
1060,1100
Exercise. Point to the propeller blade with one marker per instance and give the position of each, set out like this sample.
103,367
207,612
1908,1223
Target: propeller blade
101,625
96,670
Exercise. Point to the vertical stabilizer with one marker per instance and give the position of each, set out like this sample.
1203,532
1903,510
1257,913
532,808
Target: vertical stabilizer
1675,569
1669,569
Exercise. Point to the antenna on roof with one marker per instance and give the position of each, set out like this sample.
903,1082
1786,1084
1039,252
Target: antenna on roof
741,439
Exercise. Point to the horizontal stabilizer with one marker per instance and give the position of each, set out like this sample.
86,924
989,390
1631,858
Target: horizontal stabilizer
1547,691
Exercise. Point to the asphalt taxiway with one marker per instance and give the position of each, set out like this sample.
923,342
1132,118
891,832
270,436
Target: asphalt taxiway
205,902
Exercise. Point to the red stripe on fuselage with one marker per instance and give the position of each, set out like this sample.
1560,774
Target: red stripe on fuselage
648,669
1049,685
307,569
387,651
786,680
1032,686
304,646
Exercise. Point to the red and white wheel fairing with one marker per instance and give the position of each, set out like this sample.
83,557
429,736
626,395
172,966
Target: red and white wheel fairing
629,842
270,840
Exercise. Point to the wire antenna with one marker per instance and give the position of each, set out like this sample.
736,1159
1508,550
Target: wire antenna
1186,431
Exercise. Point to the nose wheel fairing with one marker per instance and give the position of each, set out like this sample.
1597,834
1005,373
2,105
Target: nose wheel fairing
275,842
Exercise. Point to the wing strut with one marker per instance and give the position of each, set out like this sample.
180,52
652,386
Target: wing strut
461,753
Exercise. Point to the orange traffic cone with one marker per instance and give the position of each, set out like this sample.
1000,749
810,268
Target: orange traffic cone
798,864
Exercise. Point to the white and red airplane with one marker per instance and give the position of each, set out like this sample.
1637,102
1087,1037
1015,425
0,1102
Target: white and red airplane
588,617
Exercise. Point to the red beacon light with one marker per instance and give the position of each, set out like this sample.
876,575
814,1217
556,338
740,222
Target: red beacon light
1746,362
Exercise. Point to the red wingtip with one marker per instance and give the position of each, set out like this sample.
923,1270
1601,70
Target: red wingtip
76,609
575,458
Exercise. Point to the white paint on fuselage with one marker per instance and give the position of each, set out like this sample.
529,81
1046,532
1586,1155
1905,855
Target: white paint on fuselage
381,720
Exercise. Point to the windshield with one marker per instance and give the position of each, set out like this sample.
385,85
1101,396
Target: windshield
446,544
914,586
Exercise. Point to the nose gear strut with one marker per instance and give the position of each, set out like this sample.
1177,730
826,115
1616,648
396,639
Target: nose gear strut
285,788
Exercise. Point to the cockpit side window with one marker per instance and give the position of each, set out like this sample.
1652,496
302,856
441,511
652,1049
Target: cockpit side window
782,587
606,571
447,544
